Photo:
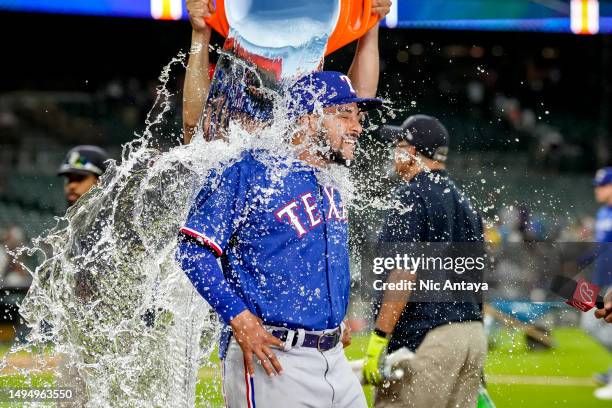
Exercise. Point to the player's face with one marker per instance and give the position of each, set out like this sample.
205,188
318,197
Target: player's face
603,194
342,128
76,185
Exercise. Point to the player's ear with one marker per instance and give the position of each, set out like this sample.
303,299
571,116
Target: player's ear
300,130
312,122
309,123
412,153
303,121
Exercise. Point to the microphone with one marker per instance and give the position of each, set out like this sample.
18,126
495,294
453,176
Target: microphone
581,295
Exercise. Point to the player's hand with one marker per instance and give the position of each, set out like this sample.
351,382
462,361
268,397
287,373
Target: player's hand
381,7
254,340
198,11
377,347
346,336
606,312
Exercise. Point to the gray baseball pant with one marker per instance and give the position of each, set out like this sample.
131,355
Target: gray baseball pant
310,379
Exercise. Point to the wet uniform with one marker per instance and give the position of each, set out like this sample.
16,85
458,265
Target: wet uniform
281,236
603,235
602,275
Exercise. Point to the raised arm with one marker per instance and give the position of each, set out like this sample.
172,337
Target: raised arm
364,70
197,82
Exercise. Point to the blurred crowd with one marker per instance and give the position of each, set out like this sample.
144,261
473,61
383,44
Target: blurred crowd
107,115
515,225
12,272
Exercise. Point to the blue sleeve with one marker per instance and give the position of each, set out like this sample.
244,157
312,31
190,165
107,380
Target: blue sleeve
219,209
603,225
202,269
405,224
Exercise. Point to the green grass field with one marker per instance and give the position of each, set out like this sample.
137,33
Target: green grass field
517,378
560,378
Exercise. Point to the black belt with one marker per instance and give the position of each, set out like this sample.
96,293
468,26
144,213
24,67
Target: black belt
322,342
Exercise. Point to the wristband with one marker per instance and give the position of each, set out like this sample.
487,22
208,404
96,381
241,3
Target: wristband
381,333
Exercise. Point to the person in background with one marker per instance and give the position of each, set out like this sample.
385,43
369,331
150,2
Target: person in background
82,167
12,272
448,338
14,282
596,324
4,256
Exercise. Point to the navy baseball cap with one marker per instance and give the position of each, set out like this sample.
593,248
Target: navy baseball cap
84,160
427,134
324,89
603,177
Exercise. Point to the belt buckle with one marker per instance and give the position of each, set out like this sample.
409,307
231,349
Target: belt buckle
334,334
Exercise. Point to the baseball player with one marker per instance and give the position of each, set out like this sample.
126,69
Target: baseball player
364,70
279,228
82,167
602,274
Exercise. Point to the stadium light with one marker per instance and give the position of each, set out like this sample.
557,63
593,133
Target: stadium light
166,9
585,16
392,18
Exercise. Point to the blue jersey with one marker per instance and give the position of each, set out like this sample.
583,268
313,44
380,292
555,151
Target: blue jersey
603,235
282,239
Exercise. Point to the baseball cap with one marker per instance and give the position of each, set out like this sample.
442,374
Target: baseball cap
427,134
84,160
603,177
326,88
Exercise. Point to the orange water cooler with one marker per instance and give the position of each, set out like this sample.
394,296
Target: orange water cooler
354,20
276,50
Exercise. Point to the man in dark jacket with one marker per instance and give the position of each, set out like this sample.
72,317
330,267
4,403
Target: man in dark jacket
447,336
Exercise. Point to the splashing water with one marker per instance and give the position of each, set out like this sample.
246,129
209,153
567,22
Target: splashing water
125,321
127,326
296,35
277,43
109,294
